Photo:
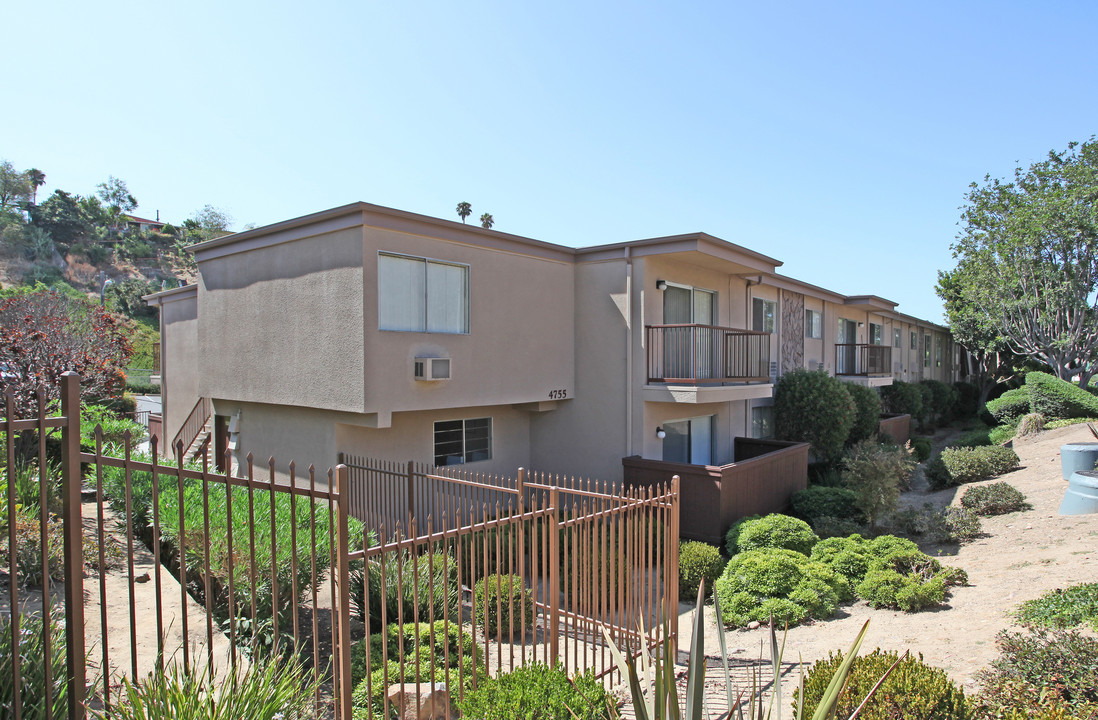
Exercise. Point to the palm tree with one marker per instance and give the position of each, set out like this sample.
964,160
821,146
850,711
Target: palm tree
464,210
37,179
486,221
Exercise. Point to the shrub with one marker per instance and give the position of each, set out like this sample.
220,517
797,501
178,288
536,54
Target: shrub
33,661
994,499
537,692
430,653
876,473
968,400
960,525
1030,424
1010,406
1055,398
503,604
28,547
901,397
417,589
912,691
698,561
813,407
758,584
921,448
828,527
926,419
970,464
849,556
937,477
942,399
770,531
867,412
1001,434
1041,665
1062,608
906,579
817,501
268,690
973,438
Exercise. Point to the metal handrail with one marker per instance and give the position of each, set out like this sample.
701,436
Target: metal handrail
862,359
695,354
193,425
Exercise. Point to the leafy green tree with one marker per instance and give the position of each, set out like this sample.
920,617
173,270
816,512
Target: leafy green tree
116,196
486,221
15,186
64,217
464,210
1028,260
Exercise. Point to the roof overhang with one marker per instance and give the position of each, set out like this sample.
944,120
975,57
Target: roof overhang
185,292
699,249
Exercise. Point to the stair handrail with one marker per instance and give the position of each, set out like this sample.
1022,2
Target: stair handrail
192,426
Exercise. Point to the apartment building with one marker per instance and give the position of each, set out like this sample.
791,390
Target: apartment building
378,332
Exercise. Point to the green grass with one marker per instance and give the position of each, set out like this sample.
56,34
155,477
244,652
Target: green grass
1062,608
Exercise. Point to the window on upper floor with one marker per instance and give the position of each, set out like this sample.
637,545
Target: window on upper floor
926,351
897,338
420,295
914,340
463,441
762,315
938,352
876,334
813,324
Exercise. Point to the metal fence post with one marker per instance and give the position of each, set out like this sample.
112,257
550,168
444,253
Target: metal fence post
411,488
73,524
554,575
671,537
343,687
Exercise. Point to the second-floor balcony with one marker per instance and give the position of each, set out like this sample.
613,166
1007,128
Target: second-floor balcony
862,359
692,354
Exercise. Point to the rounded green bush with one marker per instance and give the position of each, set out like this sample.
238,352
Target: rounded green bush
537,692
903,398
1057,399
921,446
758,584
813,407
968,399
503,604
1009,406
867,417
942,397
994,499
818,501
829,527
912,691
770,531
901,576
849,556
979,463
698,561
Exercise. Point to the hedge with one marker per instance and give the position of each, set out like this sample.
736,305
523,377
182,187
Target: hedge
901,397
1057,399
961,465
813,407
1010,406
867,417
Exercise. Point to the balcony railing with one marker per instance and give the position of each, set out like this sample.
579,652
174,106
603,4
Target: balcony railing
862,359
695,354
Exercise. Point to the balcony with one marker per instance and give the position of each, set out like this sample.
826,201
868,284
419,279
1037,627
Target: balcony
862,360
706,354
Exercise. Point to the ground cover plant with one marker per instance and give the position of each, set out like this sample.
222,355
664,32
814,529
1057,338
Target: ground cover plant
955,466
913,690
994,499
784,584
698,562
503,605
769,531
419,587
1062,608
1037,667
33,660
538,692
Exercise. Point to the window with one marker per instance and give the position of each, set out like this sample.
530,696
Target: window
689,441
914,340
876,334
685,305
463,441
762,316
813,324
938,352
897,339
762,422
926,351
420,295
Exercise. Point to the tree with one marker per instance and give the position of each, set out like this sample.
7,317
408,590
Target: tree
64,217
1027,257
47,333
37,179
116,196
486,221
15,186
464,210
206,224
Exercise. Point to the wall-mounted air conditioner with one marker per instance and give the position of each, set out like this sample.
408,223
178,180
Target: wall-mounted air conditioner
431,368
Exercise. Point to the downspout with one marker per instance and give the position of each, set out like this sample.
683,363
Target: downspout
628,353
747,311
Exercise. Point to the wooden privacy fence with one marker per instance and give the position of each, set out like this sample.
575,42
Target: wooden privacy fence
210,572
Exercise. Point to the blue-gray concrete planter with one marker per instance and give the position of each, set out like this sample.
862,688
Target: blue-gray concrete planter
1077,457
1081,497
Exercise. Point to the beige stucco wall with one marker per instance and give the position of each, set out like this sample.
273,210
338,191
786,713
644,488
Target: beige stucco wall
283,324
520,345
180,360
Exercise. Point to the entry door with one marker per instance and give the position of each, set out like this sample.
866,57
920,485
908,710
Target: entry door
846,357
689,441
690,352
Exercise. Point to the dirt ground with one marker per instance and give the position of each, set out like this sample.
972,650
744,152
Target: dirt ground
1020,556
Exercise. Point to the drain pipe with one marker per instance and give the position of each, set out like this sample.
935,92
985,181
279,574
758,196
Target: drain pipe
628,353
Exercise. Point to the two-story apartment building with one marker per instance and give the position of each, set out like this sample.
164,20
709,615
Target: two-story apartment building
383,333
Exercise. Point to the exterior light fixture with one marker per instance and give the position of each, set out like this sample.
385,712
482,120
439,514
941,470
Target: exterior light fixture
661,433
661,285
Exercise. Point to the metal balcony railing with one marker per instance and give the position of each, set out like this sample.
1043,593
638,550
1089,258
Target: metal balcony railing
862,359
696,354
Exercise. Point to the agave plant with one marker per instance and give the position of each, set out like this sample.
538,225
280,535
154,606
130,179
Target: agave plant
655,695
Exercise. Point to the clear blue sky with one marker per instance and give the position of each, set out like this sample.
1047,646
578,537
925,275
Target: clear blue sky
838,137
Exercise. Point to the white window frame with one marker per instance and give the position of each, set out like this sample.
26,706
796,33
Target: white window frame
464,440
425,325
